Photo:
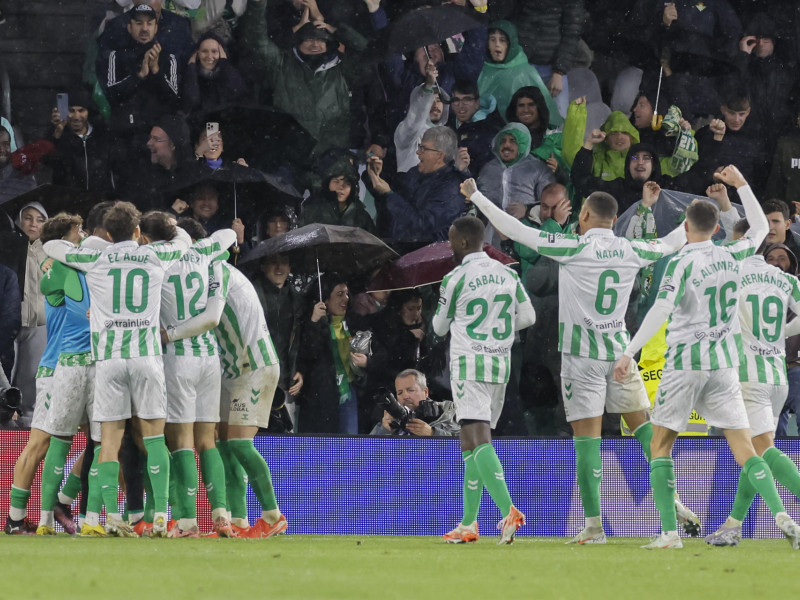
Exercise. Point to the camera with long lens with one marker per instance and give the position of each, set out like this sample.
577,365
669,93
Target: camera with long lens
427,411
10,399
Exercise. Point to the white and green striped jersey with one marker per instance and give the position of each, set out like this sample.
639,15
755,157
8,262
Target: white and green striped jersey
598,270
124,283
185,292
242,333
482,303
765,294
702,284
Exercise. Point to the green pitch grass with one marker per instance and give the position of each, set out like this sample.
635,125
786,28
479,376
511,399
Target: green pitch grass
351,567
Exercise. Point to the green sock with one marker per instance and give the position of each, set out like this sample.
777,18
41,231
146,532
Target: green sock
53,471
644,433
187,481
473,488
235,482
491,473
745,494
783,470
149,505
662,480
108,478
213,471
175,498
257,472
94,501
589,469
760,476
71,488
158,465
19,503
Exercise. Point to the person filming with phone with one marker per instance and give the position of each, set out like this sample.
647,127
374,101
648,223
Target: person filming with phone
82,158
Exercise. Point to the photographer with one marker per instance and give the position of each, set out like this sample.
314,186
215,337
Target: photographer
412,412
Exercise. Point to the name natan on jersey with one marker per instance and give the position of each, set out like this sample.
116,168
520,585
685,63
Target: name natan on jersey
185,292
765,294
702,283
482,299
242,333
597,273
125,287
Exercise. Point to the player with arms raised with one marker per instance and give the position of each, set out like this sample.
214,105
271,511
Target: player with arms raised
765,294
699,296
481,303
192,372
597,273
125,287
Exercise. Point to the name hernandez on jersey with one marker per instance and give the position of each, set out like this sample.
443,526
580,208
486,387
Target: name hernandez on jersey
185,292
125,288
766,292
482,303
597,273
703,281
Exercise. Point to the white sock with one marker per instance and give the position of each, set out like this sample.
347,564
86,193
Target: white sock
135,517
219,513
113,516
17,514
186,524
241,523
92,519
593,522
65,499
271,516
731,522
47,518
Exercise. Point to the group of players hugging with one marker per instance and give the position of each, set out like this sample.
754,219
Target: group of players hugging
176,338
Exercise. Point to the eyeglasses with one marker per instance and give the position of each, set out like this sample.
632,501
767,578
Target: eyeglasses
463,100
642,158
422,148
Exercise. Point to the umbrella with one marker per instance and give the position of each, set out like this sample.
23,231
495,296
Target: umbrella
265,136
424,266
54,199
239,183
319,247
430,25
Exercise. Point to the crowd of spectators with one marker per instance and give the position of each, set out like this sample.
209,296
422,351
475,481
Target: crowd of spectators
542,101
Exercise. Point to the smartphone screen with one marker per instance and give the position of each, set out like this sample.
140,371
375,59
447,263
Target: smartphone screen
62,104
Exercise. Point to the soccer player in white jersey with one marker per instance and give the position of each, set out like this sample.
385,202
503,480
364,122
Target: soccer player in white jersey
765,294
597,273
699,296
250,372
125,287
192,373
481,303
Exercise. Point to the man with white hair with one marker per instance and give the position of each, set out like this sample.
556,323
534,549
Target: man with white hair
427,200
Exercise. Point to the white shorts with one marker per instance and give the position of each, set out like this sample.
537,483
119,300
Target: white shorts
715,395
193,388
72,405
588,386
763,403
126,387
478,401
44,385
247,399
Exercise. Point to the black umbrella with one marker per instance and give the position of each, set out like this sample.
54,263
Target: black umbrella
319,247
241,185
264,136
430,25
54,199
